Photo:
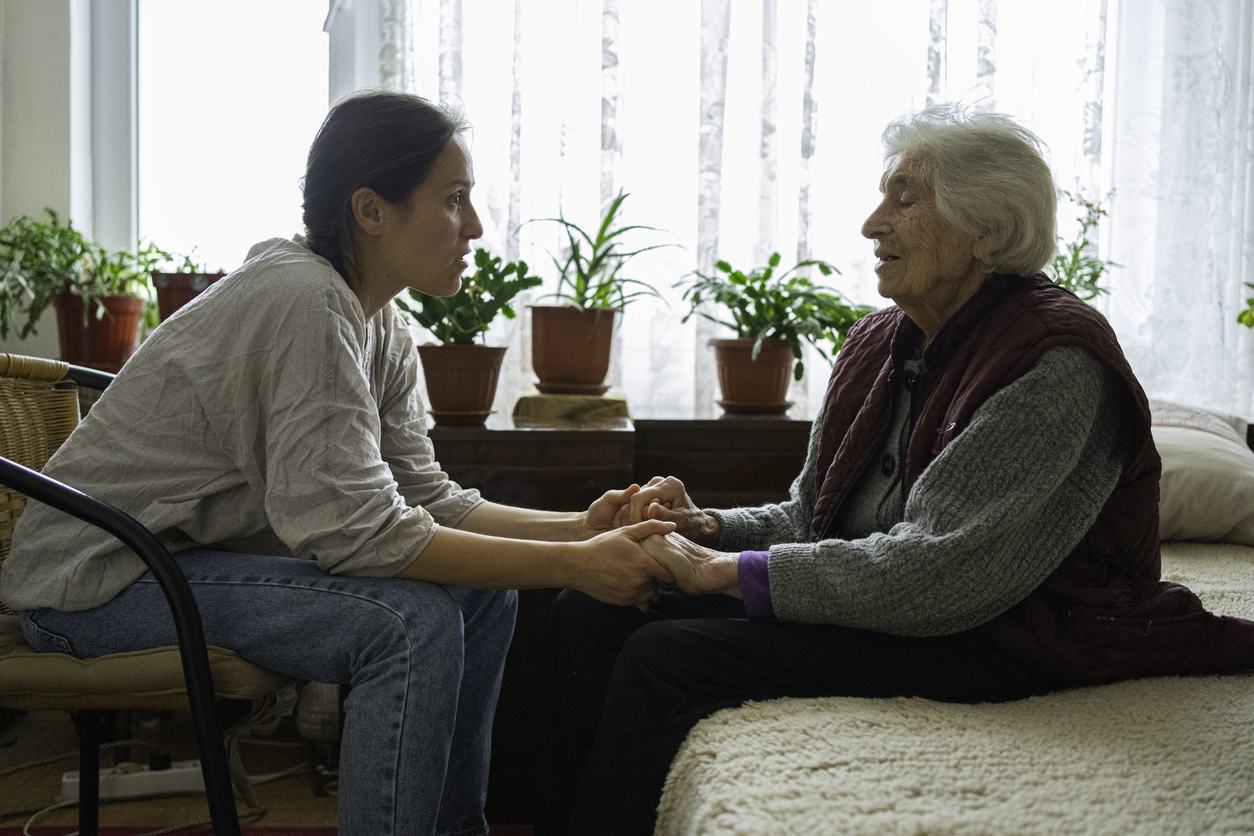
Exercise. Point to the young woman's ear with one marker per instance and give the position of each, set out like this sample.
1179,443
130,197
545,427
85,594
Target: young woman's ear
368,210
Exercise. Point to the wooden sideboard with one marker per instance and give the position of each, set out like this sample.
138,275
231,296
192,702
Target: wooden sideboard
722,463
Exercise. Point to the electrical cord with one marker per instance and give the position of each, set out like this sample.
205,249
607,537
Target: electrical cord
248,815
17,814
278,744
4,773
45,811
274,776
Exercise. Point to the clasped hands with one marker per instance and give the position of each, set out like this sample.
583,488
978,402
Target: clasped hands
681,555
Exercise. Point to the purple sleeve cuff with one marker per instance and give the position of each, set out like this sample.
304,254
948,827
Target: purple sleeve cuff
755,584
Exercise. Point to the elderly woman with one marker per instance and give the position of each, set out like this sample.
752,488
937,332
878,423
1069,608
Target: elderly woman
977,519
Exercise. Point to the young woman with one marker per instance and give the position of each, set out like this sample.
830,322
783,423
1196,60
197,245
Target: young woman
271,433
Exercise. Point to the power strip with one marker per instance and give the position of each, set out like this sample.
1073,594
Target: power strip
130,780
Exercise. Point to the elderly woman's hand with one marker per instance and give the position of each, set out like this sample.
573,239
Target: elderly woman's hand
664,498
616,568
697,570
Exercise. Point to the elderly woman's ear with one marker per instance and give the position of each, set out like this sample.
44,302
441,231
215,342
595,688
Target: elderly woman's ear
981,250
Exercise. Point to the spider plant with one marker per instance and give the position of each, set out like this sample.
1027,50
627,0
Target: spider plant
588,272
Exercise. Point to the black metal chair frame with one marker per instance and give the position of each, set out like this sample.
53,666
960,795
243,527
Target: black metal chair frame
187,624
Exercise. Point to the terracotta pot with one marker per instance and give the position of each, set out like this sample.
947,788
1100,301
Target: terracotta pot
570,348
461,381
174,290
753,387
105,343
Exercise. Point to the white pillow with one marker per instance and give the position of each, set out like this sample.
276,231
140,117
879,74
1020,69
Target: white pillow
1207,490
1168,414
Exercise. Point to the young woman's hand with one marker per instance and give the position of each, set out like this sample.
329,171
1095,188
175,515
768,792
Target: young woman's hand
697,570
606,514
664,498
616,568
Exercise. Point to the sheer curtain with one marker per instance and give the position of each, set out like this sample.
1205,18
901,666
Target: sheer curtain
744,127
1182,219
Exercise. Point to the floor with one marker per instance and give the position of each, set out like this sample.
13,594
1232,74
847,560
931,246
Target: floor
300,800
292,801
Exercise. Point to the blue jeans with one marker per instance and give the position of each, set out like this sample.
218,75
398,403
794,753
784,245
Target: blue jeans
424,660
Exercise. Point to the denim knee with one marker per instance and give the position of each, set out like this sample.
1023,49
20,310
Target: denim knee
507,601
429,626
497,605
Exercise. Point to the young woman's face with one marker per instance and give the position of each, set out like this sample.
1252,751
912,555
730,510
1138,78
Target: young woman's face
429,237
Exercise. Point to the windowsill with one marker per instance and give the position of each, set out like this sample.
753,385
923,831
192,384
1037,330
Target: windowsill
497,422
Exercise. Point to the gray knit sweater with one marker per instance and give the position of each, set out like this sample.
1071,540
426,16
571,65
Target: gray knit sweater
985,523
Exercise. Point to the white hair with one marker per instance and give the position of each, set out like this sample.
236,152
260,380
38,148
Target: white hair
989,178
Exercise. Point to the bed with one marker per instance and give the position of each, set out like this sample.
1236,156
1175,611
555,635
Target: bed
1172,755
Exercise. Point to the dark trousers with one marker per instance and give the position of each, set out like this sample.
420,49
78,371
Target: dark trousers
623,688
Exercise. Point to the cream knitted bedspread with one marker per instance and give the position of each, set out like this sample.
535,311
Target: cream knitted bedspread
1155,756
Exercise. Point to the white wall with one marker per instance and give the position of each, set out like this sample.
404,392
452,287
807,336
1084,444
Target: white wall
45,123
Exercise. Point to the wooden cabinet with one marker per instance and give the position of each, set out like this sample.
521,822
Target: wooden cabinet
722,463
549,468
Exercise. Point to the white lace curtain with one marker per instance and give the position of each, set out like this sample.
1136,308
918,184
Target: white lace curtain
745,127
1182,219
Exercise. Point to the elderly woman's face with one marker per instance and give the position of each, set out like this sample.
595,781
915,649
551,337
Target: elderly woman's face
923,260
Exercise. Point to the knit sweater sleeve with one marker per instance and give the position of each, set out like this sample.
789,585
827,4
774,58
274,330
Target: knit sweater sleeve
742,529
988,520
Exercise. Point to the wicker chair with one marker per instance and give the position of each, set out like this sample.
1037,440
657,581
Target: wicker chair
38,410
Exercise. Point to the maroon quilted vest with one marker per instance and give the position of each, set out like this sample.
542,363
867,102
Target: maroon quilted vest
1104,614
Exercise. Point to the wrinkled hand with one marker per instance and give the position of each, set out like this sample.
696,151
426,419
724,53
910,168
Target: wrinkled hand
697,570
616,568
606,514
664,498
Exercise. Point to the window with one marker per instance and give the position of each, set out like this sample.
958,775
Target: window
230,95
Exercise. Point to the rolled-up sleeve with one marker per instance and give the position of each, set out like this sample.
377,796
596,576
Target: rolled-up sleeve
404,443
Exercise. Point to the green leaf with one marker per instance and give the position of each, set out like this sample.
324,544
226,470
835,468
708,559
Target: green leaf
1076,267
763,303
465,317
588,272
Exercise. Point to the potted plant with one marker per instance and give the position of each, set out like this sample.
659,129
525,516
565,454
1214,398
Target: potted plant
184,279
1075,267
771,315
100,296
99,313
570,342
461,375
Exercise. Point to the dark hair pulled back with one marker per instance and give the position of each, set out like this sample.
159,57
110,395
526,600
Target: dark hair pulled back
381,140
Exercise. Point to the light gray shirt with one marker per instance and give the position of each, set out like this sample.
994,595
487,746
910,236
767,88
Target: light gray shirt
268,416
